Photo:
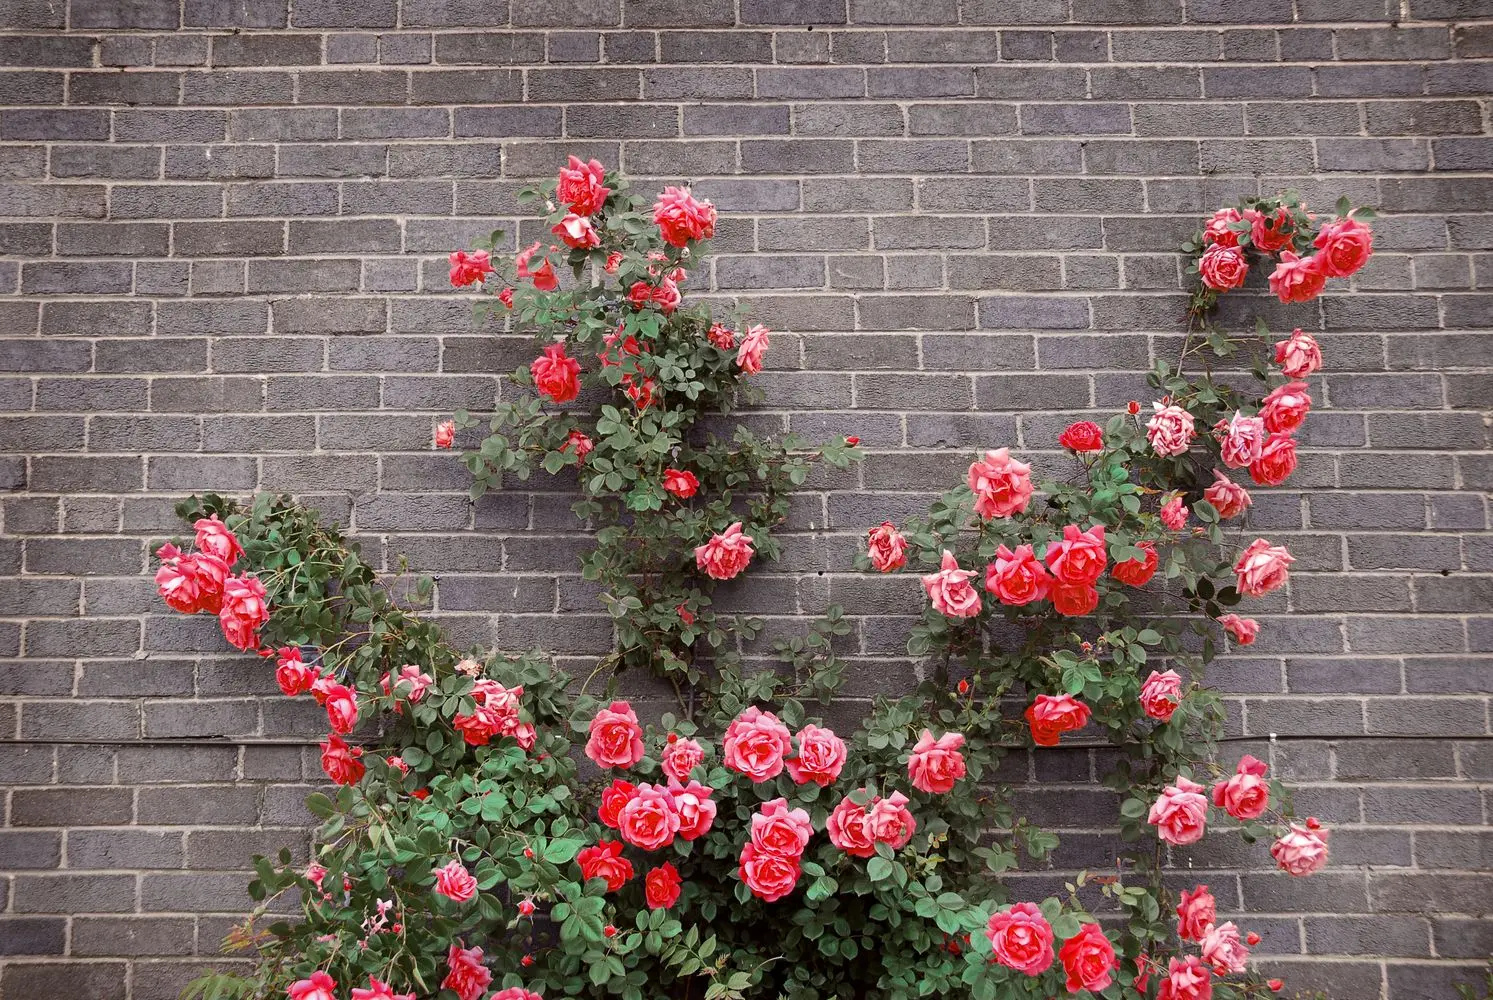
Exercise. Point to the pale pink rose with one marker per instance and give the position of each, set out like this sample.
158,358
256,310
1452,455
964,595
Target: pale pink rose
1174,513
243,611
1344,245
886,547
769,876
754,344
1276,462
849,829
726,554
755,744
821,755
1161,694
1223,949
1240,440
1262,568
680,758
380,990
1079,557
466,976
1186,979
454,881
411,683
1002,486
1195,913
1017,578
1246,794
1170,430
1301,850
1227,497
445,434
293,674
695,807
649,820
319,987
1297,279
342,708
1021,939
680,218
214,538
950,591
1217,231
1223,268
580,186
1050,716
1180,814
1243,630
515,993
616,739
776,829
577,232
889,821
1286,407
1298,355
936,765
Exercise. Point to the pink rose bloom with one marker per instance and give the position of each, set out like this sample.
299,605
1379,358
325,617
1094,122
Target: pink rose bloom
555,374
469,267
680,758
649,820
950,591
341,762
769,876
580,186
190,583
1195,913
754,344
695,807
849,830
1049,716
1344,246
1227,497
1079,557
1138,572
1269,232
776,829
1217,232
726,554
1002,486
1174,513
1262,568
680,218
613,798
1286,407
661,886
681,483
721,337
1187,979
543,276
578,445
1301,850
506,297
1082,436
454,881
1088,958
886,547
1075,599
1246,794
1299,355
342,708
605,861
890,822
515,993
1243,630
1223,268
577,232
214,538
614,261
1170,430
640,295
821,755
1240,440
936,765
319,987
1297,279
466,976
1021,939
1180,814
243,611
755,744
379,990
1276,462
1161,694
411,683
1017,578
667,297
616,739
445,434
293,674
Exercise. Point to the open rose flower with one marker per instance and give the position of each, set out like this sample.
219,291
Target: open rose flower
1195,913
613,798
515,993
1243,630
1170,430
661,886
466,976
890,822
1301,850
680,483
820,758
1223,268
190,583
340,761
769,876
1297,279
1079,557
213,537
242,611
1017,578
680,218
615,738
777,829
1050,716
648,820
445,434
1138,572
1174,513
1227,497
469,267
543,276
580,186
605,861
319,986
886,547
726,554
849,830
721,337
1002,486
410,683
756,744
293,674
1161,694
1186,979
1276,462
576,232
341,704
681,757
453,881
1088,959
1021,939
1074,599
1240,440
1343,246
556,375
1246,794
1180,813
1298,355
754,344
379,990
1217,231
579,445
695,807
1269,232
1082,436
950,590
935,766
1286,407
1262,568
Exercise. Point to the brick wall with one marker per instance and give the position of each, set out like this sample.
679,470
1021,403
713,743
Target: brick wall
220,268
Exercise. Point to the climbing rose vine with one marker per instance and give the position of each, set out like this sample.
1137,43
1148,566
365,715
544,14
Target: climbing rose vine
498,829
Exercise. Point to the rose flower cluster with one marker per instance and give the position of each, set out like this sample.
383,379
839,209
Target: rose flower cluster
1282,231
204,581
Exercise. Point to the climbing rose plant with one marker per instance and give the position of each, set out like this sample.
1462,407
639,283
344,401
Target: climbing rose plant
498,830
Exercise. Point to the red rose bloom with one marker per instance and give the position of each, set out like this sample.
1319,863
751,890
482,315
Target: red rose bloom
1137,572
605,861
556,375
1089,960
680,483
1082,436
661,887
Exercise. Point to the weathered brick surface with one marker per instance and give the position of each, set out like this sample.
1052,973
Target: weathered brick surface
221,231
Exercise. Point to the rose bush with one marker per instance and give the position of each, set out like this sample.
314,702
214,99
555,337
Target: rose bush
508,833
